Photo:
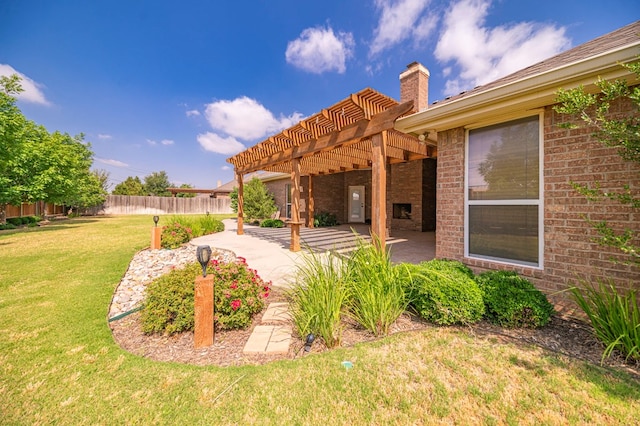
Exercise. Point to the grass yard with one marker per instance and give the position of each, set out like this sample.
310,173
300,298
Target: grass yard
60,365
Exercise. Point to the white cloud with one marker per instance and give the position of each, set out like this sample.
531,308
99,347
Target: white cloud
245,118
193,113
152,142
484,54
110,162
400,20
32,91
167,142
215,143
225,168
319,49
104,136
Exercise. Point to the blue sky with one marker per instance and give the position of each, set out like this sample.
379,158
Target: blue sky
180,86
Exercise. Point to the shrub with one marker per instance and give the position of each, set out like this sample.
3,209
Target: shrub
318,296
615,318
168,306
323,219
443,292
9,226
199,225
238,294
31,219
272,223
174,235
15,221
513,301
376,287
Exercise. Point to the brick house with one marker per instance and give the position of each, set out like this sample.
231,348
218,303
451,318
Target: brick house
504,194
417,166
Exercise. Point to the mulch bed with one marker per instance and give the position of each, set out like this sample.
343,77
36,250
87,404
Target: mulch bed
563,335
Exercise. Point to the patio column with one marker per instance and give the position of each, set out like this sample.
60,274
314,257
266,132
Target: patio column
310,210
379,187
240,203
295,205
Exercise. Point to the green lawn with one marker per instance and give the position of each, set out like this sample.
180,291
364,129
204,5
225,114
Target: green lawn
60,365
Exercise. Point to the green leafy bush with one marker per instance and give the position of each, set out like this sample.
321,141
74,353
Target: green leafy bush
31,219
323,219
168,306
376,286
199,225
174,235
615,318
239,294
444,292
513,301
15,221
318,297
272,223
7,226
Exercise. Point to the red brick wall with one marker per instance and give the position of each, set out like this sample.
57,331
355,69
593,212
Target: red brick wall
450,195
279,190
406,188
569,253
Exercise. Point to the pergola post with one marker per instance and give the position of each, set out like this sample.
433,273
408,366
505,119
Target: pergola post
295,205
240,203
311,209
379,188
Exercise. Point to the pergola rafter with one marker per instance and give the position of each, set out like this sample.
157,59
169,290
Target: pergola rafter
354,134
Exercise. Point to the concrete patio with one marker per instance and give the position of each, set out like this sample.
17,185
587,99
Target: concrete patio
267,249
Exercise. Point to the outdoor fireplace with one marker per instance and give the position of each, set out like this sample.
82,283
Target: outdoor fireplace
402,210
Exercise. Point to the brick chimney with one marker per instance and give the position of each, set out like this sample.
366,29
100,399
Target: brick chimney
414,85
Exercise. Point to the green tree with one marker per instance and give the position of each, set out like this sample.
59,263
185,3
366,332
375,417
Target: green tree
130,186
157,183
259,203
622,133
186,194
37,165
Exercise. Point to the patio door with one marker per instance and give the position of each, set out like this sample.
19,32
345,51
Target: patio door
356,204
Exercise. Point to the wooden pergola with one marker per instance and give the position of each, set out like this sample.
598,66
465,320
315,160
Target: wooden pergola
354,134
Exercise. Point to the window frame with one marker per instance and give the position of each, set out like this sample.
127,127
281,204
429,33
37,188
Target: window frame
539,202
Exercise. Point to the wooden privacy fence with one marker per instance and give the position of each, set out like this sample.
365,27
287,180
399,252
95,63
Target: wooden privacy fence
129,204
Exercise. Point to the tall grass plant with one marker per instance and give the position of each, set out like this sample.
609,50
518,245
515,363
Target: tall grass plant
319,296
377,287
615,317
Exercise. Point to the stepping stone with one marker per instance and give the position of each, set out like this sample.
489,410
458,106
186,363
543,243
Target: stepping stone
276,312
268,339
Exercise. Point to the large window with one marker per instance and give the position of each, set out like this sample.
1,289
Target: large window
503,218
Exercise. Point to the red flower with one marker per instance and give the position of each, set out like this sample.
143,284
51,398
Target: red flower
235,304
234,285
242,260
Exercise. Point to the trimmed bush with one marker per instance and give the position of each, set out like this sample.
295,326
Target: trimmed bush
175,235
615,318
444,292
272,223
513,301
239,294
324,219
15,221
7,226
168,306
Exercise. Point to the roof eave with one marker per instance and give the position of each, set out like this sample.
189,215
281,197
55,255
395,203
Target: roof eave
522,95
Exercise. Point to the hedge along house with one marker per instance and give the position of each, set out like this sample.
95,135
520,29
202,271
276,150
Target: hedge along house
505,170
349,160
